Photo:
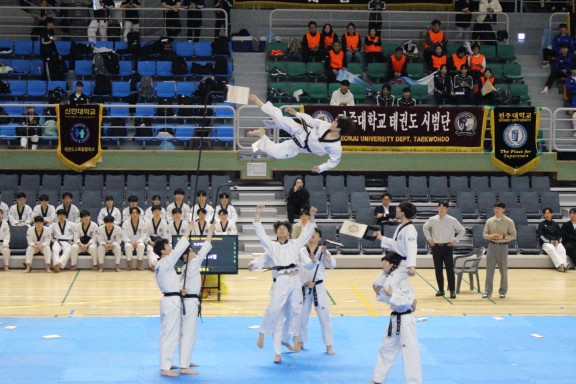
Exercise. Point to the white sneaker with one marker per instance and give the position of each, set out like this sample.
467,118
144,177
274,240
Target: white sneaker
544,91
256,146
547,65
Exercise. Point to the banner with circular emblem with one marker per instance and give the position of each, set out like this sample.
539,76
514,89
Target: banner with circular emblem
79,131
514,138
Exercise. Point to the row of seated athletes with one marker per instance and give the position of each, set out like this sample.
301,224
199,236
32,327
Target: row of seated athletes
64,239
22,214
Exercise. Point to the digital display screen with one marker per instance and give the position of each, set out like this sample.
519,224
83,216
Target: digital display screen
222,258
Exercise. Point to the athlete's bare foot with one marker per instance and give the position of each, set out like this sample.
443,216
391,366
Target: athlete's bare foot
129,266
118,268
188,371
73,268
256,100
48,268
95,268
139,265
194,365
101,269
27,270
6,269
287,345
297,346
277,359
329,350
260,342
259,132
167,372
57,268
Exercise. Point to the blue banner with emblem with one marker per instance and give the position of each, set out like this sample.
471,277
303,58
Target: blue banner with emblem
514,139
79,131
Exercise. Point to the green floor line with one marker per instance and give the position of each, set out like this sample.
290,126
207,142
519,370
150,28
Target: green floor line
330,296
70,287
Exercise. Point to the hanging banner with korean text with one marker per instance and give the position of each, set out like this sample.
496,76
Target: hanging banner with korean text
79,131
514,138
409,128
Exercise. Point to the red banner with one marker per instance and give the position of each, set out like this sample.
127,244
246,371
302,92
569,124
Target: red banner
409,128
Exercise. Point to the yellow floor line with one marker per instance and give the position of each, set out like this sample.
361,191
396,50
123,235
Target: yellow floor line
372,311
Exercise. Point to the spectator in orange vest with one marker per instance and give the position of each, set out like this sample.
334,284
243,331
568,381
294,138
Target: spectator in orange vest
335,60
312,44
457,60
476,62
328,36
352,45
437,59
434,36
397,64
373,48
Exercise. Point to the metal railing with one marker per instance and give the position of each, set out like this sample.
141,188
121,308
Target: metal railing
563,135
72,22
397,26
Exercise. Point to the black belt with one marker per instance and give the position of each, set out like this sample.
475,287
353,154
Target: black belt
398,321
313,291
273,279
493,242
168,294
192,296
441,244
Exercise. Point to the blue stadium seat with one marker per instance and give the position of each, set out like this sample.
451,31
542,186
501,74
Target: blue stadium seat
120,89
164,68
36,67
17,88
23,47
184,132
143,109
185,87
166,89
36,48
64,47
20,67
15,110
7,44
53,84
8,131
223,133
36,88
83,68
184,49
88,86
147,68
203,49
119,110
125,68
120,45
224,113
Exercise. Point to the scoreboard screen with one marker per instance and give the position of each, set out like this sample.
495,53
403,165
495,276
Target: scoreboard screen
222,258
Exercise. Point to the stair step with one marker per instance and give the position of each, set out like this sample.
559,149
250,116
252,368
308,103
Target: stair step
257,196
269,212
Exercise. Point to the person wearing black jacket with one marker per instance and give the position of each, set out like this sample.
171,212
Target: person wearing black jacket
298,199
194,16
568,232
464,19
549,236
443,87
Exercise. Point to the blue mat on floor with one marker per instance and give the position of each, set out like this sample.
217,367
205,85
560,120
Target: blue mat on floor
470,350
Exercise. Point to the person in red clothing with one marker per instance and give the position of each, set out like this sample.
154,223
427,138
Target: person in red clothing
397,64
335,60
373,48
352,44
312,44
437,59
328,36
434,36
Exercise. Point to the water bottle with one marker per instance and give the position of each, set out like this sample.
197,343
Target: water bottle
270,35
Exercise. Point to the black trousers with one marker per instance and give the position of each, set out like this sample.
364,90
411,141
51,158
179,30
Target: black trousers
571,251
443,256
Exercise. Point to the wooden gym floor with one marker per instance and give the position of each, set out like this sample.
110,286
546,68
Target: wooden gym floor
532,292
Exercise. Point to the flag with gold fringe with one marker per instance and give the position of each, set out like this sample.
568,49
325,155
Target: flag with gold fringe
514,138
79,131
